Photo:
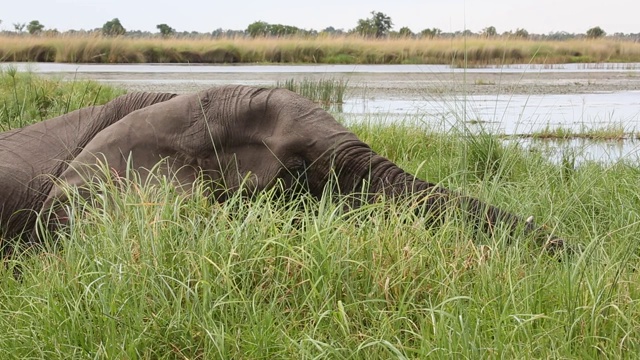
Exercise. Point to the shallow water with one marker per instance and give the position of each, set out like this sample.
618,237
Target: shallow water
499,114
323,68
577,151
513,114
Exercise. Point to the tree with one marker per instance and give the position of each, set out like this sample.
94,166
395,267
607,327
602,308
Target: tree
405,32
430,33
258,28
378,25
165,30
34,27
19,27
219,32
330,30
261,28
595,32
365,28
283,30
51,32
113,28
559,35
489,31
521,33
382,23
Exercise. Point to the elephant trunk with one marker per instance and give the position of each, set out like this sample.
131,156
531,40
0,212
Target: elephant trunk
358,169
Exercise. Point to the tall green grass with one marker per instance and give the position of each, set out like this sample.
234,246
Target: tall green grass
329,93
146,272
26,98
611,132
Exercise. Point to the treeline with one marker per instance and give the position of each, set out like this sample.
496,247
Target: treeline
378,25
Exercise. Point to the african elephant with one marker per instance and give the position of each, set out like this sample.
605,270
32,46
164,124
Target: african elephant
234,136
31,157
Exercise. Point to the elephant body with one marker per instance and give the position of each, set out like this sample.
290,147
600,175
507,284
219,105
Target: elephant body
33,156
232,135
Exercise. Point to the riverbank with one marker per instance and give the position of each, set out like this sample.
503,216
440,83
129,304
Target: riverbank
459,51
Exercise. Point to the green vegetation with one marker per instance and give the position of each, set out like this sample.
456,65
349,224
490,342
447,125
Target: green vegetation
377,26
262,29
596,32
145,272
113,28
326,92
35,27
607,133
480,51
165,30
26,98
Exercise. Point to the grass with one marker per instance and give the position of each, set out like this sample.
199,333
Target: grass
608,133
326,50
146,272
327,92
484,82
26,98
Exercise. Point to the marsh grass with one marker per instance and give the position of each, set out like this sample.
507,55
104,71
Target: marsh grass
327,92
607,133
26,98
328,50
147,272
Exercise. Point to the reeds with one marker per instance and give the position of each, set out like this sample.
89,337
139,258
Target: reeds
328,50
327,92
612,132
26,98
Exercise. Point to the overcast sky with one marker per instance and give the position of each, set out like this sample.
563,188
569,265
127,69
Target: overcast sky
536,16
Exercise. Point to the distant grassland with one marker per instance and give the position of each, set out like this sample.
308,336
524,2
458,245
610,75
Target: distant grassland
326,50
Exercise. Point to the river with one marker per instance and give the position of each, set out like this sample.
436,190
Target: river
511,100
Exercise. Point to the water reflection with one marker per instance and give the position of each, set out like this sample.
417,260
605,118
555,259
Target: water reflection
514,114
581,150
578,150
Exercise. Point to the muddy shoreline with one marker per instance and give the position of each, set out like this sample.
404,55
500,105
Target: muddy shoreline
390,85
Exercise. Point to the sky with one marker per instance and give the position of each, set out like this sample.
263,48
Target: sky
536,16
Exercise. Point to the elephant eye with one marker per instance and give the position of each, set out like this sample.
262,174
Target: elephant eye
295,163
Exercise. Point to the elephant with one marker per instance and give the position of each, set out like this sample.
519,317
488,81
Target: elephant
235,136
31,158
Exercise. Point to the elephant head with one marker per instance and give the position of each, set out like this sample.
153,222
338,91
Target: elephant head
239,135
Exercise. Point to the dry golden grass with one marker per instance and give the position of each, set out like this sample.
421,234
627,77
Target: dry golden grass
343,50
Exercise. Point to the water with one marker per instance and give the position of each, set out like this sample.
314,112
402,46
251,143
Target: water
500,114
580,150
266,69
514,114
522,115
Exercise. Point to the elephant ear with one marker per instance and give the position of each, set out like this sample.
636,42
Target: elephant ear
142,140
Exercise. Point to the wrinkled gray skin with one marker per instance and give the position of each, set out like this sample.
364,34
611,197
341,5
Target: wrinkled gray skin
31,157
229,134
